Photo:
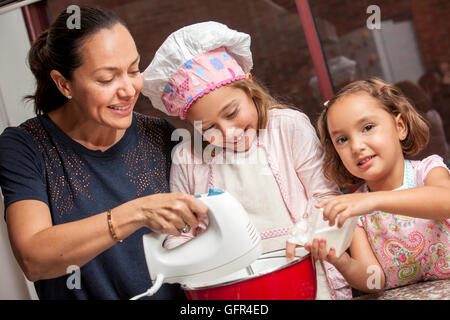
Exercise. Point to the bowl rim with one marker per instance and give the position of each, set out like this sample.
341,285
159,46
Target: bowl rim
250,276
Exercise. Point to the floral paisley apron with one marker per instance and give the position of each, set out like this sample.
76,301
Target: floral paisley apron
409,249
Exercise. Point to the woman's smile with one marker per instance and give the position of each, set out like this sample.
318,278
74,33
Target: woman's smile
122,110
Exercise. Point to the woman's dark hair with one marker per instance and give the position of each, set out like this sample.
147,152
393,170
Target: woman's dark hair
58,48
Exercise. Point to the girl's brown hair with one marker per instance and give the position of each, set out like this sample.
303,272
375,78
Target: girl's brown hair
394,102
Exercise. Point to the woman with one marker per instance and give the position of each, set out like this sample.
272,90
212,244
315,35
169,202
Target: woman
86,178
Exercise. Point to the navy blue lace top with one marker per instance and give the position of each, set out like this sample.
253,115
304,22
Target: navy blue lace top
38,161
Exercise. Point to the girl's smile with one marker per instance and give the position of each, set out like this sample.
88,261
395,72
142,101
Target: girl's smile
366,162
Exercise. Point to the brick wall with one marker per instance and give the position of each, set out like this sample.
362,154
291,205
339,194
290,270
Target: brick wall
281,58
432,22
280,55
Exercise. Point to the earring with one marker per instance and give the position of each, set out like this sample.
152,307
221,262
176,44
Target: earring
69,97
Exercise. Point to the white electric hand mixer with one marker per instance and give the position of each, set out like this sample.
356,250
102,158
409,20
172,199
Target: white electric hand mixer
229,243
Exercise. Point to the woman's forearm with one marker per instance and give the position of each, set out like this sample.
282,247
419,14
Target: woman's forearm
49,252
45,251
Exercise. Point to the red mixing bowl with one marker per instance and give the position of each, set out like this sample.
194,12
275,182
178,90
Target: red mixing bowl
290,281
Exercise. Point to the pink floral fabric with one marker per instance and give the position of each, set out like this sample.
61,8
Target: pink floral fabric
410,249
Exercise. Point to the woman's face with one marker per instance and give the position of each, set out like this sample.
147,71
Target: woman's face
226,117
106,86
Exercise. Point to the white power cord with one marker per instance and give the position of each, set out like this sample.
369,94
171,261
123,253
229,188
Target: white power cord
158,283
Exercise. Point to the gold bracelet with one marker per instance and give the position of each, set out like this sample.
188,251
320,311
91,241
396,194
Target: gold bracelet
111,228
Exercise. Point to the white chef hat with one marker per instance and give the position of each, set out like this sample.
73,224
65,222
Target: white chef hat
192,61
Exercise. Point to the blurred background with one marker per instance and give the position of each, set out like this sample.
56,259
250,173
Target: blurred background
303,51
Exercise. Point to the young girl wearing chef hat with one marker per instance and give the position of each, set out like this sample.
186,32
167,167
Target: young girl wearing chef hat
265,154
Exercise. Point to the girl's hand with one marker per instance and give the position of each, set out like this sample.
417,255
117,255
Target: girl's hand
318,250
347,205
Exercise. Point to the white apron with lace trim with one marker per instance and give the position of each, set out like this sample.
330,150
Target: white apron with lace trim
248,177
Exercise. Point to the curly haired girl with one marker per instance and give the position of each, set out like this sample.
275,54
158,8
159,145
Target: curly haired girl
367,130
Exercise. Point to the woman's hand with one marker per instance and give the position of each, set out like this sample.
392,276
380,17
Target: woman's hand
170,212
44,250
347,205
